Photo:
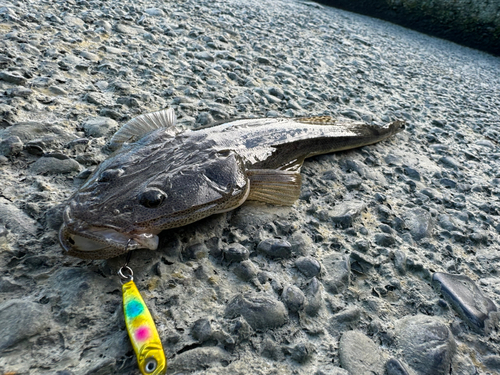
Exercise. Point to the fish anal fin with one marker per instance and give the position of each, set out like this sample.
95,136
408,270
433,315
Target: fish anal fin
141,125
274,186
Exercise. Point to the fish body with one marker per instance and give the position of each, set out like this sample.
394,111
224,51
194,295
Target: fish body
161,178
142,332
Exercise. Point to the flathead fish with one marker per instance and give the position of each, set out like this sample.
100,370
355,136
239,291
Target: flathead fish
161,178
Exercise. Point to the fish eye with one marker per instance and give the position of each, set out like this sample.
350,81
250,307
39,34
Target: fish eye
109,174
152,198
150,365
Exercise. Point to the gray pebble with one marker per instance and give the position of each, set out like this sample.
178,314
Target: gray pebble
15,219
12,78
275,248
245,270
58,90
419,222
197,359
309,266
347,318
207,56
449,162
99,126
343,214
236,253
400,261
302,352
314,300
360,355
52,165
23,319
196,251
426,343
201,330
492,362
384,240
338,273
293,298
11,146
155,12
260,311
395,367
19,91
204,118
361,263
301,243
467,299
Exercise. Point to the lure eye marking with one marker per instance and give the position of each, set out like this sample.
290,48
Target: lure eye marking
150,365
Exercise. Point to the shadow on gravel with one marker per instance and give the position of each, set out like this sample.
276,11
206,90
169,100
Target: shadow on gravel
472,24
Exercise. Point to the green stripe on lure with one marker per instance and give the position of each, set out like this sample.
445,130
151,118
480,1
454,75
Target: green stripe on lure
141,329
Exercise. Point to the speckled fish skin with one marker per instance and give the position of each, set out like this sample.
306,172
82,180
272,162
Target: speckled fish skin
142,332
168,179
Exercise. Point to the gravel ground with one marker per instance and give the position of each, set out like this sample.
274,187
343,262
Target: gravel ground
387,263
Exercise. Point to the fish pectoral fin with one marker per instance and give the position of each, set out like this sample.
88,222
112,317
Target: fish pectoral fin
141,125
274,186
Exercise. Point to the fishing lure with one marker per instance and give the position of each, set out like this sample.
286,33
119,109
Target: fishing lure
141,327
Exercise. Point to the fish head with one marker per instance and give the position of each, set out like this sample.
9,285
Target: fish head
144,189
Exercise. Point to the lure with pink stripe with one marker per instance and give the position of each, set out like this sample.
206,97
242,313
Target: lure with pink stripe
142,332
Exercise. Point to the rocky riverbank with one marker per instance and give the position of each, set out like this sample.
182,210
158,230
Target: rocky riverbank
388,262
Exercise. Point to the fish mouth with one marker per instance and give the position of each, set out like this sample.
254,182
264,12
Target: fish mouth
90,242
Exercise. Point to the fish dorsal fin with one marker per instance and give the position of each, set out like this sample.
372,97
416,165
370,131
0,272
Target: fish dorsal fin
141,125
317,120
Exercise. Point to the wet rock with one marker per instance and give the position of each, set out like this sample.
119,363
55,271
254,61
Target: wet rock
337,273
419,222
52,165
275,248
395,367
11,146
302,352
269,349
463,365
15,219
309,266
197,359
196,251
245,270
400,261
21,92
360,355
314,300
12,78
236,253
301,243
384,240
343,214
293,298
492,362
155,12
467,299
260,311
361,263
201,330
22,320
426,343
347,318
